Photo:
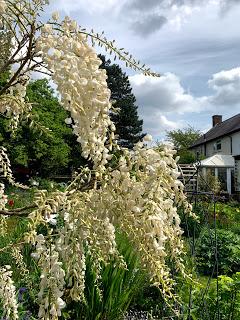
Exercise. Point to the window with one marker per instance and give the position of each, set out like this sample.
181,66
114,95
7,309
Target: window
217,145
222,177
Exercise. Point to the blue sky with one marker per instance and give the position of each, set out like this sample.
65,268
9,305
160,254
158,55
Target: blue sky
193,44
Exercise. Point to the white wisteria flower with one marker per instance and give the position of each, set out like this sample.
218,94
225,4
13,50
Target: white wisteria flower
3,6
147,137
68,121
85,94
55,16
8,294
52,219
138,193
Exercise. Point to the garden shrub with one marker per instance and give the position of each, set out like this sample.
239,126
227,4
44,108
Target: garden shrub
228,216
228,252
220,301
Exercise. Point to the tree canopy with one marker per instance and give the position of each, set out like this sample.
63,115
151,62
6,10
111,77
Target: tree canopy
47,152
126,119
182,139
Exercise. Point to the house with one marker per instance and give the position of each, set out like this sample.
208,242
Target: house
220,147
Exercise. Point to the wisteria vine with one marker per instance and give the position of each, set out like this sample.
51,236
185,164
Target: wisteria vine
139,194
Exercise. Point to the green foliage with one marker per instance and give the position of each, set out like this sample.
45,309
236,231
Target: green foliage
21,197
228,299
119,287
220,301
25,289
228,216
150,301
43,151
209,183
186,156
128,125
227,251
182,139
129,289
5,44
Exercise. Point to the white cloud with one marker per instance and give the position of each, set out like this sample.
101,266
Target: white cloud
157,124
149,24
167,124
70,6
164,94
226,85
162,101
177,12
179,15
160,98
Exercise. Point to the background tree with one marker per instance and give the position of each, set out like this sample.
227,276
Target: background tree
182,139
47,152
126,120
5,44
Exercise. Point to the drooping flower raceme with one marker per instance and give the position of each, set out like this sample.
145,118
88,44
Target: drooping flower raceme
3,202
142,196
3,6
52,280
3,197
8,299
82,86
13,104
5,168
139,193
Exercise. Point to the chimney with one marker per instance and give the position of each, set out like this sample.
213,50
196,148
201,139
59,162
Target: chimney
216,119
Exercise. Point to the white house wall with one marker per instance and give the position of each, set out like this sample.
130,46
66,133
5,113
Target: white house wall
236,143
225,143
225,146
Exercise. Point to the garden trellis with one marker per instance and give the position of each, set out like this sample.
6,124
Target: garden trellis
206,202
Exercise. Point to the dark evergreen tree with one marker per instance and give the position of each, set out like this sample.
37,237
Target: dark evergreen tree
126,120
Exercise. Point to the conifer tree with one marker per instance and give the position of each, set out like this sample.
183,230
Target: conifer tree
128,125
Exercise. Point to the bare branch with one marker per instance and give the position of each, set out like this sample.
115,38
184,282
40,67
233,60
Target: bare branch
28,57
19,211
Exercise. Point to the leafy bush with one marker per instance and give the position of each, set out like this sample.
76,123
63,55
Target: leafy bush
222,303
228,298
209,183
227,250
228,216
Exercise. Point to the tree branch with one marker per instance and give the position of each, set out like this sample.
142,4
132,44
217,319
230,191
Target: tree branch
25,61
18,211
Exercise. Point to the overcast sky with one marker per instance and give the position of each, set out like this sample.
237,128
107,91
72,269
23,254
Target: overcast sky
193,44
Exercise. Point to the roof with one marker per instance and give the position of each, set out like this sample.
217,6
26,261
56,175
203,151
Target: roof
218,160
224,128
